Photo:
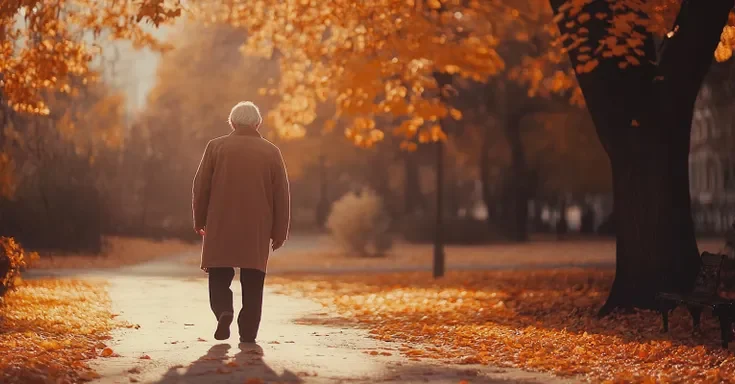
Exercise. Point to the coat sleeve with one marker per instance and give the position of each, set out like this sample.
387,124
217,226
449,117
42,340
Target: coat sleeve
202,187
281,201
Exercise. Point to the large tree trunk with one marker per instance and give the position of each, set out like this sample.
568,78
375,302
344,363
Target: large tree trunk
643,119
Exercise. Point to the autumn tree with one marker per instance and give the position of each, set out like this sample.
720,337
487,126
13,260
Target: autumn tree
45,45
57,175
381,57
641,99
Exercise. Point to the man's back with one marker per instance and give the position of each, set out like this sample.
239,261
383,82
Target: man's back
246,200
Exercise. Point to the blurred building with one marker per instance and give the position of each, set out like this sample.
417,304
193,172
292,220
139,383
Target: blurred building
712,162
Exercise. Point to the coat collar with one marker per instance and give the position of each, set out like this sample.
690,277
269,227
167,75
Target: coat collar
246,132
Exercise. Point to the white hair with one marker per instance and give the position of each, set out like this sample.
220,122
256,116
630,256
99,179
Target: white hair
245,115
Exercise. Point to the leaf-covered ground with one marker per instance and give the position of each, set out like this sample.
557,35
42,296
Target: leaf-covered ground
50,328
541,320
118,251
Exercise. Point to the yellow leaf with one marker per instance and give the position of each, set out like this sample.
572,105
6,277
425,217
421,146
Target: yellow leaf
434,4
722,53
632,60
587,66
583,17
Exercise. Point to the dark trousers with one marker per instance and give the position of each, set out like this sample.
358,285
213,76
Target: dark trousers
220,297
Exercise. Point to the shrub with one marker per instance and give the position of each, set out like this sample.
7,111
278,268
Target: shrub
360,224
13,260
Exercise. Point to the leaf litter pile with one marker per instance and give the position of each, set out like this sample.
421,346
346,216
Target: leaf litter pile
50,328
538,320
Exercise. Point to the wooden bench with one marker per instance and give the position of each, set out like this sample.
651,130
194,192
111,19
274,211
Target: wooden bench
704,295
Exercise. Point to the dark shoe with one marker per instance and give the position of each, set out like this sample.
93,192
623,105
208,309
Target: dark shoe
223,326
246,340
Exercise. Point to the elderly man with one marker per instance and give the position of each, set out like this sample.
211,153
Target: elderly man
241,208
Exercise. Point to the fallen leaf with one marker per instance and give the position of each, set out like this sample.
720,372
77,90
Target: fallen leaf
548,323
145,357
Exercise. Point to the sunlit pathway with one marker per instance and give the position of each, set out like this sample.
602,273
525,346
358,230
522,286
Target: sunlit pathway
174,344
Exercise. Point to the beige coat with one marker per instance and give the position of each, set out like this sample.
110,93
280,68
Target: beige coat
241,198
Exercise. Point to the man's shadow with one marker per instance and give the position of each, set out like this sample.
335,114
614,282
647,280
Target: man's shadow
216,366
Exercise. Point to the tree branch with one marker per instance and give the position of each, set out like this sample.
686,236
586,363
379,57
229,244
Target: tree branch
687,53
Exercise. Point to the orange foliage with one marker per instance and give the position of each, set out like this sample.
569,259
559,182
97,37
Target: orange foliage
369,58
625,39
541,320
373,58
42,43
50,328
13,259
378,57
89,117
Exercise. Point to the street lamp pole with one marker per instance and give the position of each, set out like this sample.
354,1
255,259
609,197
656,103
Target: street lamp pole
439,265
439,235
442,80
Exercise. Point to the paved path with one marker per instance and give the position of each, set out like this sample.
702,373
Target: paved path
176,333
174,344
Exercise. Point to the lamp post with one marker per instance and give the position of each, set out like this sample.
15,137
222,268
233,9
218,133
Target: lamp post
439,215
442,80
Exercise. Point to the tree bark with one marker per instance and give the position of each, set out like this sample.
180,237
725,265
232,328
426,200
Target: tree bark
643,119
413,198
322,206
518,187
484,167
